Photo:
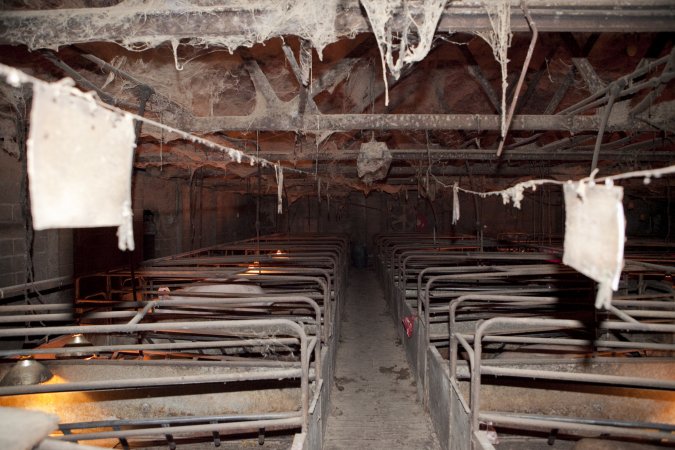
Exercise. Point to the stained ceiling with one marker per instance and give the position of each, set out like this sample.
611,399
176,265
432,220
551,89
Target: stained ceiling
256,76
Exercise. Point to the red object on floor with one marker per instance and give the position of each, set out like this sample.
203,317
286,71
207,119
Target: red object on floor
409,325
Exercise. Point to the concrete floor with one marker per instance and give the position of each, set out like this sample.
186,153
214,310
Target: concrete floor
374,403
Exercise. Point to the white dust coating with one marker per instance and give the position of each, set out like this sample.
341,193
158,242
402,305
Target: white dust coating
402,38
142,23
594,235
499,13
80,160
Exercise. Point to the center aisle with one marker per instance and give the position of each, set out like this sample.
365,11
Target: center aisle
374,399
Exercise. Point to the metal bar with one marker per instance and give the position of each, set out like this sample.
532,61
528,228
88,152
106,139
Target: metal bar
606,380
560,92
622,315
66,427
37,307
593,81
482,328
82,81
649,98
170,106
51,283
140,314
585,103
577,428
223,428
609,422
37,318
579,342
263,325
55,28
523,72
477,74
84,386
614,90
169,346
341,122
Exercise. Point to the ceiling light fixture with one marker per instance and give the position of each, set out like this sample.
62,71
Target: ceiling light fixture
26,372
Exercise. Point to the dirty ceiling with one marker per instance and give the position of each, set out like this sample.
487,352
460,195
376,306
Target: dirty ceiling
302,84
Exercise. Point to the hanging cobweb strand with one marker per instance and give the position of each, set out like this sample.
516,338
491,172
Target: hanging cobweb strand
499,13
396,55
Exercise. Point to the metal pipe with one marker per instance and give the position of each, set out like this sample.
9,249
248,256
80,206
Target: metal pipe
213,299
614,91
37,318
140,314
483,327
607,380
579,342
474,389
619,423
454,304
224,428
523,72
38,307
647,101
579,428
133,383
265,325
168,346
183,420
622,315
602,92
51,283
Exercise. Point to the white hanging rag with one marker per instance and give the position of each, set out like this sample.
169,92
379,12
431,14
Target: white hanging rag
279,172
455,203
594,235
80,159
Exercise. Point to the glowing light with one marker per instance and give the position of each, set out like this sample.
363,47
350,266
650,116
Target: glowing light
253,268
26,372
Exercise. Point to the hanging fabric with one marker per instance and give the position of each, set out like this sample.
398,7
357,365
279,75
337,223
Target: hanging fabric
594,234
73,181
455,203
279,172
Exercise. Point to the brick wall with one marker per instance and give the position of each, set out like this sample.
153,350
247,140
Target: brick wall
52,249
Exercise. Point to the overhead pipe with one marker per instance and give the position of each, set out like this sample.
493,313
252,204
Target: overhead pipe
614,91
51,283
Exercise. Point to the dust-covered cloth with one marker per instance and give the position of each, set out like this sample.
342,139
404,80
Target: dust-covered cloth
594,235
80,158
21,429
